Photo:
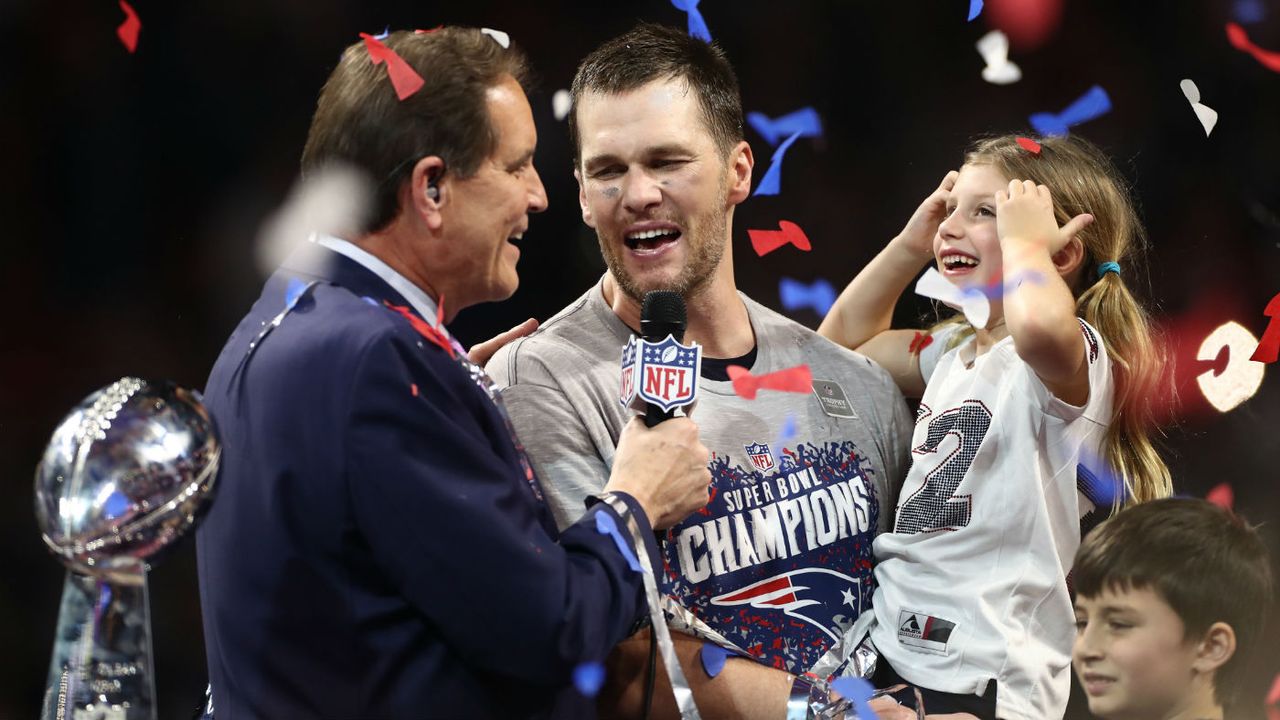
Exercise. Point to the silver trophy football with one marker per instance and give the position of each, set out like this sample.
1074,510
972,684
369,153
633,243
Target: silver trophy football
124,476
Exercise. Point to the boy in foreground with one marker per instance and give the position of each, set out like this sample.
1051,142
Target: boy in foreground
1170,599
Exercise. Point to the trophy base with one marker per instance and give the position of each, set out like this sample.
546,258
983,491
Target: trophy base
102,666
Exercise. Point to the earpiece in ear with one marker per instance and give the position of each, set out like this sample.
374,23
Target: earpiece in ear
433,192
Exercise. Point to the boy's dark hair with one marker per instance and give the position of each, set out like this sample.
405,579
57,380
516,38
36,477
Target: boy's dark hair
652,52
360,122
1203,560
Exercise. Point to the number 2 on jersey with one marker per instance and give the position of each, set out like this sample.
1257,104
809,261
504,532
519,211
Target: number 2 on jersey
935,506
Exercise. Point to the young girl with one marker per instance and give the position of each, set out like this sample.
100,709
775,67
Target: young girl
972,604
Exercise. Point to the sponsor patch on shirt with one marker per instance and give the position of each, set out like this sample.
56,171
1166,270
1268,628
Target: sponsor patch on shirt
833,400
924,632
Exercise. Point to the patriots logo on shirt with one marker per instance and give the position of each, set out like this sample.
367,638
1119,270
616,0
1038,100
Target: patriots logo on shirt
760,456
815,595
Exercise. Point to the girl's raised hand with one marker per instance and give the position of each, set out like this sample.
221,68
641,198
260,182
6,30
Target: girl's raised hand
917,236
1025,212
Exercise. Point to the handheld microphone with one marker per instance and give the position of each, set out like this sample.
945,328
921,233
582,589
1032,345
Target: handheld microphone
662,314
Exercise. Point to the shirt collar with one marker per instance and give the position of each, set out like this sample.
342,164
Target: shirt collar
422,303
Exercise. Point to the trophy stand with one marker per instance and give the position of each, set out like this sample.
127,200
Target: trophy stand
102,667
125,475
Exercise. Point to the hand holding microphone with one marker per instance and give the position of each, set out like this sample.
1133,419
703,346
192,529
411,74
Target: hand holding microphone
661,463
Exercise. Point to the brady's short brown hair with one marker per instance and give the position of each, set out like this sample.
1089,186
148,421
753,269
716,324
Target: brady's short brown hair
652,52
359,120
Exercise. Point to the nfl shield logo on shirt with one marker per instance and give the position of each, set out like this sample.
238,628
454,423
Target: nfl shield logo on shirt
667,372
760,456
627,390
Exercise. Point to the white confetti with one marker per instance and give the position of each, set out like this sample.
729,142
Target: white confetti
1208,116
500,37
994,49
972,302
561,103
1241,377
334,201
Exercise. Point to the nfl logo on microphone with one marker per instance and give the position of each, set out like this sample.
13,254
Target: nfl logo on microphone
662,373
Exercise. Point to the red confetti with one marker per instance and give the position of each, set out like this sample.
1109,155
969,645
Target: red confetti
919,342
1222,496
766,241
1270,59
1029,145
413,387
404,79
1273,697
129,29
424,328
797,379
427,32
1269,347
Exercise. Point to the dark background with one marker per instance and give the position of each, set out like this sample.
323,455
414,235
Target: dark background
134,187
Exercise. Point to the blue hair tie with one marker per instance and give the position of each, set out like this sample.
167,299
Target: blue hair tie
1108,266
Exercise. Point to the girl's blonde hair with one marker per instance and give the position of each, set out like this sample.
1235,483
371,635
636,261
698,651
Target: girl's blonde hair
1083,180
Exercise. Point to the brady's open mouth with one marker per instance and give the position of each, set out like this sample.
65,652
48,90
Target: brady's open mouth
651,238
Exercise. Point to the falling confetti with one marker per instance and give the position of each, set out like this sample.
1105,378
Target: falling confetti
589,678
1240,40
975,9
804,122
795,295
994,49
1269,348
561,103
697,24
797,380
919,342
771,183
129,29
1094,103
971,301
1208,116
1222,496
1240,377
766,241
1029,145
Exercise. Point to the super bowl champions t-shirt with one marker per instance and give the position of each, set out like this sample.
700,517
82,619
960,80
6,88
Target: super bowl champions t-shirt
779,561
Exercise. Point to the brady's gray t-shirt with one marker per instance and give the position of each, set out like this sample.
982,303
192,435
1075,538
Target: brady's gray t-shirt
779,562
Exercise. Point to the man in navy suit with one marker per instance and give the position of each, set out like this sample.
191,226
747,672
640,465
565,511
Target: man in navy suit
380,546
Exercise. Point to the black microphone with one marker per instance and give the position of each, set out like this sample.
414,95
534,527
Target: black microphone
662,314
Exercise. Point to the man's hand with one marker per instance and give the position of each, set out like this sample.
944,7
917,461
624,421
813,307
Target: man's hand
481,352
664,468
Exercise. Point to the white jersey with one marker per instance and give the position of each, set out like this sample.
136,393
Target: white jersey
972,582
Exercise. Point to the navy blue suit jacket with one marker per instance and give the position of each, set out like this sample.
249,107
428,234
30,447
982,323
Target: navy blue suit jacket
376,547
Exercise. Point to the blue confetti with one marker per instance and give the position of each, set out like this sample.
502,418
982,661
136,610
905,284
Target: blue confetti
859,692
1099,484
713,658
605,525
697,24
1248,12
370,300
804,122
975,9
788,429
386,30
819,295
293,292
588,678
1092,104
117,504
771,183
